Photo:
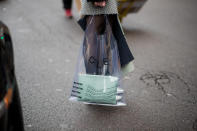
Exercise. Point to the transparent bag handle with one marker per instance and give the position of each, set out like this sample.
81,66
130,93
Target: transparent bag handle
107,23
90,23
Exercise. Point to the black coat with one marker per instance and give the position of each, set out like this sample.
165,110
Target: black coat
124,51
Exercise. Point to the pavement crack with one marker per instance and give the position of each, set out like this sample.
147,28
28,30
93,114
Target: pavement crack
160,79
187,85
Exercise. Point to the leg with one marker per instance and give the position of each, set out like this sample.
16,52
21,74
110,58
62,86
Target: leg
67,4
99,25
93,54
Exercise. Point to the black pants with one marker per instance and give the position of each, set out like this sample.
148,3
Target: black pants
67,4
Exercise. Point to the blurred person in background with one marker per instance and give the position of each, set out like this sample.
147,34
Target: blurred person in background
67,5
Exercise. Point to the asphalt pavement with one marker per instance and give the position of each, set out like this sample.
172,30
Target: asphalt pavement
161,94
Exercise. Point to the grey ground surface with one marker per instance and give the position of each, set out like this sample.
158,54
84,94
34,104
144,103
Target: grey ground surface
161,94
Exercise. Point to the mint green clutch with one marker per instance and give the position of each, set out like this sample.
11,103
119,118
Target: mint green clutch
98,88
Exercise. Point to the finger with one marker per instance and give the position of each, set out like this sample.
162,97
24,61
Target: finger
96,3
102,4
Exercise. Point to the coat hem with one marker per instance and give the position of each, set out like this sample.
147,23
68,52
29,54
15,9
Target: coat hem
104,13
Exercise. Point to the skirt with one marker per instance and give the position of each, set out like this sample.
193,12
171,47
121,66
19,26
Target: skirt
89,9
